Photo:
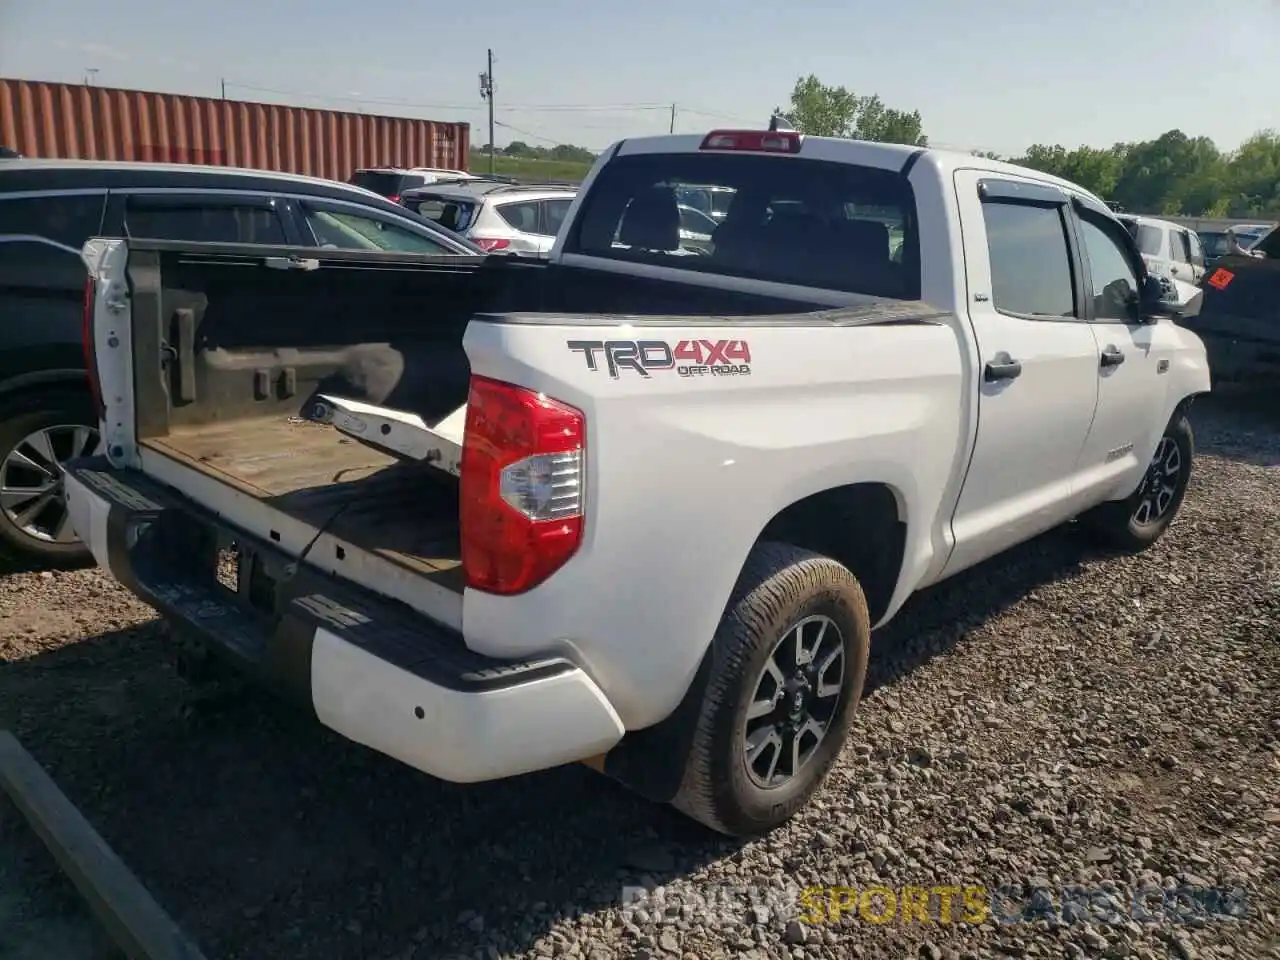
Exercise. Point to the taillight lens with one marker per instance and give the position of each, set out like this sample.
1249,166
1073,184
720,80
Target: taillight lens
523,471
87,342
394,198
489,244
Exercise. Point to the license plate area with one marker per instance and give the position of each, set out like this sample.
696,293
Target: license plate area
247,572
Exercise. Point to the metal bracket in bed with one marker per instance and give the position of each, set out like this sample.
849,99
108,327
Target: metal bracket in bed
402,434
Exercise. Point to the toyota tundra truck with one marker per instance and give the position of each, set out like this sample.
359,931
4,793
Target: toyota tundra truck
639,505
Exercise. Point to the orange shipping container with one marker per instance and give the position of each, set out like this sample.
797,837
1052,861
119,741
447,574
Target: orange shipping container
72,121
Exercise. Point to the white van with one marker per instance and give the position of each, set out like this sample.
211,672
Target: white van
1169,250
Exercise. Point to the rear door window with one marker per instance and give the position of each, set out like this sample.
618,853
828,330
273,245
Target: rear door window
553,213
521,215
40,242
1030,260
204,220
812,223
344,229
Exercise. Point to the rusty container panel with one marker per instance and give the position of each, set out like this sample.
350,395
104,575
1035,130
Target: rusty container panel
73,121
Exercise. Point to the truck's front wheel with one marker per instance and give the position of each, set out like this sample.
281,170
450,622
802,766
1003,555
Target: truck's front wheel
788,664
1136,523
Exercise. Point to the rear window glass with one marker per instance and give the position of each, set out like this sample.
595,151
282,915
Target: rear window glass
450,212
1269,244
381,182
785,219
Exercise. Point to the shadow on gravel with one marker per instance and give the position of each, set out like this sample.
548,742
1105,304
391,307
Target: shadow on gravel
936,619
1228,423
264,835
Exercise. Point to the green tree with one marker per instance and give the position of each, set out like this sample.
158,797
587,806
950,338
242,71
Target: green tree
824,111
1174,174
1093,168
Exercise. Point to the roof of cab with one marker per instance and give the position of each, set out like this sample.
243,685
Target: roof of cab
884,155
45,174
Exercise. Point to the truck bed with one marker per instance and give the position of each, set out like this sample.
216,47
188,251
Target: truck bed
403,512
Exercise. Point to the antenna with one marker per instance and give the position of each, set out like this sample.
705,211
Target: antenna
779,122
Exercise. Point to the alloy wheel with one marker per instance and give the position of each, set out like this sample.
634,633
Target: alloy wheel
1159,484
32,489
794,701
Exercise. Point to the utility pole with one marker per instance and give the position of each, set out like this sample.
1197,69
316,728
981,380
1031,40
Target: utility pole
224,87
486,93
673,119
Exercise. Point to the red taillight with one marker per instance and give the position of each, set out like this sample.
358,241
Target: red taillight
394,198
523,466
489,244
760,141
86,340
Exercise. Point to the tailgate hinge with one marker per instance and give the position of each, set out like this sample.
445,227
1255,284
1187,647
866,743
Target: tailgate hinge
402,434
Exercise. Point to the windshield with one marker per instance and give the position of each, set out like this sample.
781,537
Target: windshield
1215,244
813,223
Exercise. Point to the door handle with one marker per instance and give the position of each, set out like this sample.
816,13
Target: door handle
1003,367
1112,357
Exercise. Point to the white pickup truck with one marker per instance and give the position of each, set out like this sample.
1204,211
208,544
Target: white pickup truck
659,497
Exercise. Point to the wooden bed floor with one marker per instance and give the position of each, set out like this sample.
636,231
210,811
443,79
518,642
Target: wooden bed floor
405,512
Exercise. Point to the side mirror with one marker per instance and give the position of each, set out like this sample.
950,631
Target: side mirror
1168,298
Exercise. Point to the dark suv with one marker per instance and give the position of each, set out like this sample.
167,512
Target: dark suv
48,209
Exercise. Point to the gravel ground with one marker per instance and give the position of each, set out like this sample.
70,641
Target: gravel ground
1053,721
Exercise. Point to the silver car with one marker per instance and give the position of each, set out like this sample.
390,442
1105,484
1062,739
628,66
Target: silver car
496,216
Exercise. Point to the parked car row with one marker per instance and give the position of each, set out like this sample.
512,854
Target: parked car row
497,215
1168,250
48,209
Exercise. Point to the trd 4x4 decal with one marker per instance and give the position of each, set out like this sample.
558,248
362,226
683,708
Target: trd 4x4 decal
688,358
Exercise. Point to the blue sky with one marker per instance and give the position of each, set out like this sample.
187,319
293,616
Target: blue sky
998,75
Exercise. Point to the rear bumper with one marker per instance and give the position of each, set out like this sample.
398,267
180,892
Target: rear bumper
370,668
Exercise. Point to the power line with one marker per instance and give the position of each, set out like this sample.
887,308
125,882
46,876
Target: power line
547,107
529,133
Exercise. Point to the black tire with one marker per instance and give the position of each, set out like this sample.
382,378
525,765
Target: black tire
780,586
1119,525
21,417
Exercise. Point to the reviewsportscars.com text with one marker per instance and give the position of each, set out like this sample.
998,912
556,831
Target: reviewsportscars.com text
936,904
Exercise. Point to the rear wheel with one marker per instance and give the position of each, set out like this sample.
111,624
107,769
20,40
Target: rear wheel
1135,523
38,435
788,665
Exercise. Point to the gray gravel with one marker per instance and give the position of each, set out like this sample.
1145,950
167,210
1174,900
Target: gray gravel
1053,722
